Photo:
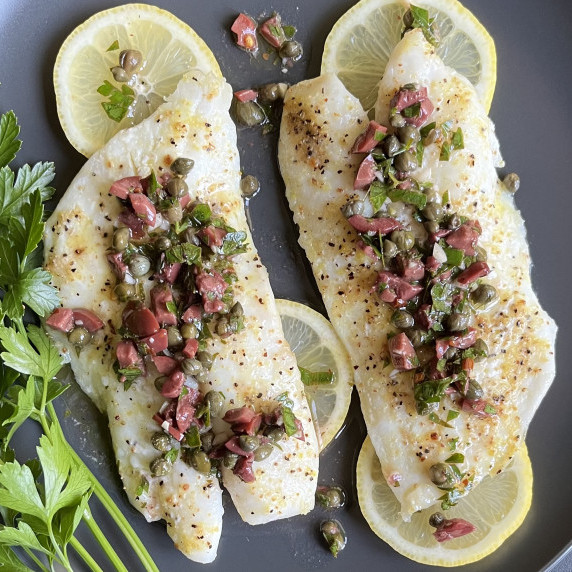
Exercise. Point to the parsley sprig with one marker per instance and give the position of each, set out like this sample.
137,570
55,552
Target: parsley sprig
44,500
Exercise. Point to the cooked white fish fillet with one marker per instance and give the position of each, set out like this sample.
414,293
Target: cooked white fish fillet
252,367
321,121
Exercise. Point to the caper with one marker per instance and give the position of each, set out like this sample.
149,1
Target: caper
191,236
474,390
249,113
177,187
270,92
406,161
334,535
433,211
431,226
249,186
291,49
403,239
397,120
432,137
139,265
480,349
124,291
207,440
182,166
163,243
237,309
248,442
276,434
412,86
330,497
223,327
454,221
263,452
174,213
402,319
189,331
130,60
119,74
79,337
481,255
433,195
353,207
121,238
409,135
436,520
484,295
230,459
191,366
408,19
215,401
417,337
391,145
450,353
174,337
159,382
161,441
206,359
160,467
456,322
200,462
390,249
443,475
511,182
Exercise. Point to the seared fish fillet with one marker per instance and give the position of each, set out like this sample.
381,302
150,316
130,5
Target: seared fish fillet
251,368
320,123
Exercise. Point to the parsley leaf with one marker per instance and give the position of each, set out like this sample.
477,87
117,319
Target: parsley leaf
9,142
316,377
119,100
378,194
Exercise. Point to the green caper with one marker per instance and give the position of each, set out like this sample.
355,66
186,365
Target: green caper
163,243
269,92
230,459
330,497
130,60
189,331
263,452
79,337
417,337
124,291
161,441
237,309
484,295
182,166
450,353
249,186
215,401
511,182
276,434
405,162
177,187
443,475
191,236
431,226
409,135
223,327
191,366
397,120
433,211
474,390
454,221
432,137
200,462
353,207
121,238
207,440
139,265
403,239
174,213
408,19
248,442
174,337
159,382
402,319
119,74
390,249
481,254
433,195
480,349
291,49
249,113
160,467
456,322
391,145
206,359
436,520
334,535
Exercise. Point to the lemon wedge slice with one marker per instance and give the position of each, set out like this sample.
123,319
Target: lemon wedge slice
318,348
497,506
169,49
359,45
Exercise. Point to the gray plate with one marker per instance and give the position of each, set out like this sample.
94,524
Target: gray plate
534,123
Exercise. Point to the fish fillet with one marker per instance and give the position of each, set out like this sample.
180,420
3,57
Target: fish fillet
320,123
251,368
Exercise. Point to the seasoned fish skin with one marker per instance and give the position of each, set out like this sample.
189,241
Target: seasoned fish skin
252,367
321,120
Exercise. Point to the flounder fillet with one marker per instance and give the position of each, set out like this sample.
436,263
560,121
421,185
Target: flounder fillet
252,367
320,123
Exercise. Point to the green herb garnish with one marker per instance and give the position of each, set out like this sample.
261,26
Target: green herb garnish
421,20
316,377
113,47
119,100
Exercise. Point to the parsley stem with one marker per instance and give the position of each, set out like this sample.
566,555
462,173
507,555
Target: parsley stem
85,555
103,542
35,559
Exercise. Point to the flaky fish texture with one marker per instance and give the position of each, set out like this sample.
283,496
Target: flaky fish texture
252,367
321,121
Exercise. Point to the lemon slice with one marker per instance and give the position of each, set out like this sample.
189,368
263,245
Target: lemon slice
318,348
497,507
359,45
169,48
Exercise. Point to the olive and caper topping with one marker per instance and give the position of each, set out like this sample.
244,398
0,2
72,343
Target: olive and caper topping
353,207
131,60
177,187
79,337
291,49
511,182
189,331
276,434
182,166
174,337
391,146
457,322
402,319
160,467
163,243
436,520
174,213
263,452
161,441
433,211
121,238
119,74
403,239
390,249
125,291
330,497
215,401
249,186
443,475
206,359
200,462
409,135
139,265
406,161
248,443
481,349
249,113
191,366
334,535
207,441
484,295
473,390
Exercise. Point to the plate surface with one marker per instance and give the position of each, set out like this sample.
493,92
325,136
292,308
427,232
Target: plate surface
531,110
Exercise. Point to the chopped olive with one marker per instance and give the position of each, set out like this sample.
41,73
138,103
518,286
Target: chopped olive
215,401
249,186
353,207
390,249
189,331
457,322
334,535
443,475
403,239
436,520
511,182
119,74
230,459
163,243
406,162
391,145
248,442
200,462
330,497
139,265
124,291
161,441
249,113
174,337
291,49
408,135
402,319
474,390
182,166
484,295
433,211
160,467
263,452
191,366
206,359
79,337
121,238
131,60
177,187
